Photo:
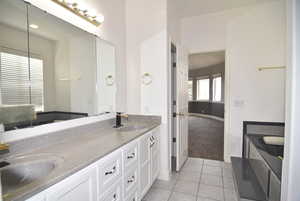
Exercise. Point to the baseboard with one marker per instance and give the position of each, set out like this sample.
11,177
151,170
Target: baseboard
164,175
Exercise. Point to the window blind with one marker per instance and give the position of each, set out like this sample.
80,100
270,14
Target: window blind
21,84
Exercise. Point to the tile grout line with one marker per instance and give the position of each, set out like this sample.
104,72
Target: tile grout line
201,173
173,187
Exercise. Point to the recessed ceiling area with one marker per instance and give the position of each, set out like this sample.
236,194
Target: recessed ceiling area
202,60
189,8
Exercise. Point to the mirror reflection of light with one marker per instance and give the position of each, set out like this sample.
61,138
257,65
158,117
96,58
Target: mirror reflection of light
34,26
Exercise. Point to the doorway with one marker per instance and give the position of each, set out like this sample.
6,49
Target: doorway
206,105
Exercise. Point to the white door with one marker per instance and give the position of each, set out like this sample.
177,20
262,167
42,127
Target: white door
181,107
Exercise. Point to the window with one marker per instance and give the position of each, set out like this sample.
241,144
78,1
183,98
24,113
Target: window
203,89
190,89
19,83
217,88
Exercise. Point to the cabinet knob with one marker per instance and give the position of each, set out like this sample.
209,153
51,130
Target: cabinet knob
112,171
115,197
132,155
132,179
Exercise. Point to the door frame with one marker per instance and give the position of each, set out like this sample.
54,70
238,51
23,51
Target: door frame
291,162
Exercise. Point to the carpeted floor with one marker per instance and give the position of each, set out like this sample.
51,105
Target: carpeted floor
206,138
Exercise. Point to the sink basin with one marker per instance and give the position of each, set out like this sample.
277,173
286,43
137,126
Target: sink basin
130,128
16,176
24,170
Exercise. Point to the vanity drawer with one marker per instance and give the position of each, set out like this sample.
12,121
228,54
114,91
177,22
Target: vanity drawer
133,196
130,154
114,193
131,181
110,170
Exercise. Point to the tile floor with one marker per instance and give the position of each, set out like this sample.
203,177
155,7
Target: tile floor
199,180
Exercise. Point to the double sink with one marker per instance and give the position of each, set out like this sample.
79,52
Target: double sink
24,170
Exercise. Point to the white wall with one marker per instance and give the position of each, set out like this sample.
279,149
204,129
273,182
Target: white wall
173,21
113,30
144,19
146,37
250,45
252,36
206,33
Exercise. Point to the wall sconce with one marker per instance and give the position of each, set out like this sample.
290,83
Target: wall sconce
146,79
96,20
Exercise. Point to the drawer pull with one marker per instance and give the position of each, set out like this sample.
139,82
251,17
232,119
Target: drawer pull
112,171
115,197
131,156
132,179
152,144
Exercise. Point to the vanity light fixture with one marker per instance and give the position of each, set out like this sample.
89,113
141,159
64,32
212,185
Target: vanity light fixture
96,20
34,26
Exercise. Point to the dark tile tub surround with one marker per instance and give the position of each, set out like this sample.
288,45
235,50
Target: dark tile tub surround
260,166
46,118
78,147
254,132
246,183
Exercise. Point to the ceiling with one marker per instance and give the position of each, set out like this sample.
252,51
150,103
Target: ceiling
202,60
189,8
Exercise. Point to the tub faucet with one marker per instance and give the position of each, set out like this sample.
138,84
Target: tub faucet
4,148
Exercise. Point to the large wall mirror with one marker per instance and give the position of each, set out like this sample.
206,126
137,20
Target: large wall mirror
50,70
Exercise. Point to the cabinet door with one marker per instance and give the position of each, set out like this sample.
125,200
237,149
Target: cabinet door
154,155
144,164
39,197
78,187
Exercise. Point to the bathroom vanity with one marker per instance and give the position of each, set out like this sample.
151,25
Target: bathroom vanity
258,174
95,162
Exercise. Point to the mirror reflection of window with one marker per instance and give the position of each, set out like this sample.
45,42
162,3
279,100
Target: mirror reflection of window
203,89
190,89
217,88
21,84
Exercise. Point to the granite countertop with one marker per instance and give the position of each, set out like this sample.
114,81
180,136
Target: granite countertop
77,148
269,153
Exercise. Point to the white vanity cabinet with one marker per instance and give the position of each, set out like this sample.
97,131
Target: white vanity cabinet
149,160
126,174
39,197
78,187
154,151
145,164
